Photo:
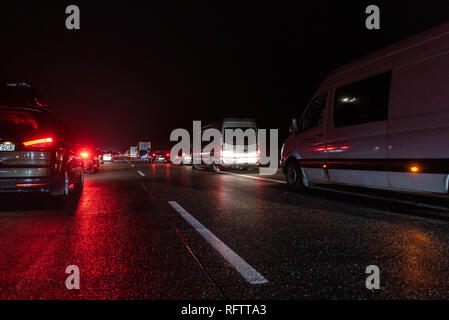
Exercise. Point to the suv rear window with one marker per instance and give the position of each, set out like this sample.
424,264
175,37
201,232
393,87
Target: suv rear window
19,124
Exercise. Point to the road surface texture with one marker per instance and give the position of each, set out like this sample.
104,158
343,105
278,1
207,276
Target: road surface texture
159,231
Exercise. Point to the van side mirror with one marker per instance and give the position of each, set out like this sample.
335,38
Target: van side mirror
293,126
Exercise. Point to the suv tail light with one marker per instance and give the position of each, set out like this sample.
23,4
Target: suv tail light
39,143
84,155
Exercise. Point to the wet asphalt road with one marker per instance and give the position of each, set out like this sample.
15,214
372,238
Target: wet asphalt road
130,243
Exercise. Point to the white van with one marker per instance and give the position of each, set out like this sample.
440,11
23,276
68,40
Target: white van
379,122
230,156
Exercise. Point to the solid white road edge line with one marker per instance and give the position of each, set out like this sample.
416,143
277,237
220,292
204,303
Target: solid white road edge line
248,272
141,173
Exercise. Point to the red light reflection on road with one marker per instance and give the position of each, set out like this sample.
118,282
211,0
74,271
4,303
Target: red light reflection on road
418,270
167,171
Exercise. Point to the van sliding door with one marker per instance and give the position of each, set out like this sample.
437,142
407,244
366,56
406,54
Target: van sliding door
418,131
356,146
312,138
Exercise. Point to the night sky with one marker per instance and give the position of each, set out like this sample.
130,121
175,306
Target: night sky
135,71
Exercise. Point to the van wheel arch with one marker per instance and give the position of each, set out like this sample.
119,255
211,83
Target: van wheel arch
294,175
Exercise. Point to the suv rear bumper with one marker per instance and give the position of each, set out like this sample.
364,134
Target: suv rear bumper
42,184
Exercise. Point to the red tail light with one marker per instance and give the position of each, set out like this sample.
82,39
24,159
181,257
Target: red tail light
30,184
84,155
167,155
39,143
154,154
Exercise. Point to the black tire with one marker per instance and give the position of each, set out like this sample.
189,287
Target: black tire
61,192
80,183
293,176
195,166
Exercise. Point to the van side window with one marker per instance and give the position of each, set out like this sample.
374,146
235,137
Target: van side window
362,101
315,113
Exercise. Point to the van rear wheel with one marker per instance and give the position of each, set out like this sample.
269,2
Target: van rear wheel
293,176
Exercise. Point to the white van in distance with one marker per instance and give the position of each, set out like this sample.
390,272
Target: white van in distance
230,156
379,122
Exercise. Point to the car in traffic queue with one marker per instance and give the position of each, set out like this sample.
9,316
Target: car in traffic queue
37,148
91,158
159,156
241,155
108,157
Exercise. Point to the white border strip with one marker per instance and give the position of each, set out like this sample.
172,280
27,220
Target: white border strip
141,173
252,177
248,272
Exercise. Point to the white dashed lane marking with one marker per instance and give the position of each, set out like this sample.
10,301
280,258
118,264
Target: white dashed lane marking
248,272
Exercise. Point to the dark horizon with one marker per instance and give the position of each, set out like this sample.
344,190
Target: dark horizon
135,73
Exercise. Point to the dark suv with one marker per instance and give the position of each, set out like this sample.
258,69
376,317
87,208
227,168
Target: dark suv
36,147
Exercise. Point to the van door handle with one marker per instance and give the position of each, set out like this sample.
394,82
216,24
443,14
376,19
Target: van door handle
318,135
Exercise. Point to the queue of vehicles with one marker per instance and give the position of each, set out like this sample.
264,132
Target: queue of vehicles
139,152
159,156
379,122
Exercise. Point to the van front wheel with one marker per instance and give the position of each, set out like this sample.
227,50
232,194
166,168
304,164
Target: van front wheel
293,176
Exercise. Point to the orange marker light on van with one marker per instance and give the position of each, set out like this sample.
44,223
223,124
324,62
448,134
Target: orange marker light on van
414,169
324,166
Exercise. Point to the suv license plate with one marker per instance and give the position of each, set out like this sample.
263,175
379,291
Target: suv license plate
7,147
